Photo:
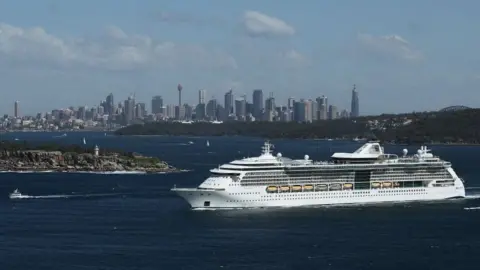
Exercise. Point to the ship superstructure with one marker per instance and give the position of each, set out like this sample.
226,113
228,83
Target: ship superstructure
367,175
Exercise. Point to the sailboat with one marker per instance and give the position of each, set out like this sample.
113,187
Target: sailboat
84,141
208,143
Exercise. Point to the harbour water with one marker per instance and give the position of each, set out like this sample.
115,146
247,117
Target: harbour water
94,221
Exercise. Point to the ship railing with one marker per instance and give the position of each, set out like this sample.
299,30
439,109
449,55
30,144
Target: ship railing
353,165
413,159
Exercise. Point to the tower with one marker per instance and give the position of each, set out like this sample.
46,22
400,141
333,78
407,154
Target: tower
179,88
355,106
201,96
15,109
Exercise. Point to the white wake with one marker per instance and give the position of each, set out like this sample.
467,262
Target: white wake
64,196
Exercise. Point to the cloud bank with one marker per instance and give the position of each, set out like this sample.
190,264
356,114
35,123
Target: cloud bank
390,45
257,24
115,50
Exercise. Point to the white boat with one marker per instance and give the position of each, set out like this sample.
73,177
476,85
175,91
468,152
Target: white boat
17,195
208,143
84,141
348,178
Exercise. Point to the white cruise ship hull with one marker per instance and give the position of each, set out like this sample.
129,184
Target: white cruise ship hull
258,197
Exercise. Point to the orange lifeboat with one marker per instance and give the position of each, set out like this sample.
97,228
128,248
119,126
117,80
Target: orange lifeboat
347,186
272,189
308,188
387,184
296,188
375,185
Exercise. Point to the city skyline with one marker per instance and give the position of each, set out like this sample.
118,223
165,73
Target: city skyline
65,53
110,115
259,105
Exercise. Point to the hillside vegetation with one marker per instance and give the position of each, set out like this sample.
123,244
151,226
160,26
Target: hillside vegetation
441,127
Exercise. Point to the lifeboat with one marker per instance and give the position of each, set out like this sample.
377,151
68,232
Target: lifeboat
335,186
375,185
321,187
308,188
296,188
348,186
387,184
272,189
284,188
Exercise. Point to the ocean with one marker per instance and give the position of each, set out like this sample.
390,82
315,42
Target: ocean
95,221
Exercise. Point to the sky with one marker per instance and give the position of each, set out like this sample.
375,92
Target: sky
403,56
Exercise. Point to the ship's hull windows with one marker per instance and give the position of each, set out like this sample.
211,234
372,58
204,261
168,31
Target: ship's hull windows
362,179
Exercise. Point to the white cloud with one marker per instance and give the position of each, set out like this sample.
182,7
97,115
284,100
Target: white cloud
393,45
295,57
260,25
116,51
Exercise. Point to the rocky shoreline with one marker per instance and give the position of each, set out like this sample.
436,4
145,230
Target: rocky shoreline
57,161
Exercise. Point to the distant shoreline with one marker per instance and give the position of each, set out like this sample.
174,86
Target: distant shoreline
311,139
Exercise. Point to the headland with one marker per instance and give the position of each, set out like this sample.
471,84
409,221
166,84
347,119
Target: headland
456,128
24,157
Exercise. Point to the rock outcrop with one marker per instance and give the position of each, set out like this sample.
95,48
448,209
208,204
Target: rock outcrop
40,160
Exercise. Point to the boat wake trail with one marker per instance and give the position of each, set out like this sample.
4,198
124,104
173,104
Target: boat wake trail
472,196
65,196
472,208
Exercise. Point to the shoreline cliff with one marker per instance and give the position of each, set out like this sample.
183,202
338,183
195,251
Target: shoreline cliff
32,159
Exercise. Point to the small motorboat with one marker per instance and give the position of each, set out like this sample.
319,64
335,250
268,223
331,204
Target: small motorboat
16,195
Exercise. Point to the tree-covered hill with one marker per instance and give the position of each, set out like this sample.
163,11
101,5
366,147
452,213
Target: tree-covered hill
442,127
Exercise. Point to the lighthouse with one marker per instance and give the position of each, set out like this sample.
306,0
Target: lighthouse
96,150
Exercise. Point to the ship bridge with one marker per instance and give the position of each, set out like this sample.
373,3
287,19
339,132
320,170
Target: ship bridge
368,152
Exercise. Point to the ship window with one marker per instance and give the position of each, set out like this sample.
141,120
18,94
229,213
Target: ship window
206,203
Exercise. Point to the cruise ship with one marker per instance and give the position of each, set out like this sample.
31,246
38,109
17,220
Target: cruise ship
367,175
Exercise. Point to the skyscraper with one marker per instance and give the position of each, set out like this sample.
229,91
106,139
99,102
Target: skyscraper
140,110
229,102
109,105
299,108
322,108
257,103
211,109
332,112
241,108
201,96
129,110
355,109
157,104
16,109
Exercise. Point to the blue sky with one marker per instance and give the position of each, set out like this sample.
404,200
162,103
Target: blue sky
402,55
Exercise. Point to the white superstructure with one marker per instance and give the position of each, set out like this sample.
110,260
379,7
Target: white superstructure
16,195
367,175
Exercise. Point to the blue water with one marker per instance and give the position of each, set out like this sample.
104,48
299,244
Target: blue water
134,222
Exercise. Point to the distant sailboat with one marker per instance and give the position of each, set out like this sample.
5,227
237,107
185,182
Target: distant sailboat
84,141
208,143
